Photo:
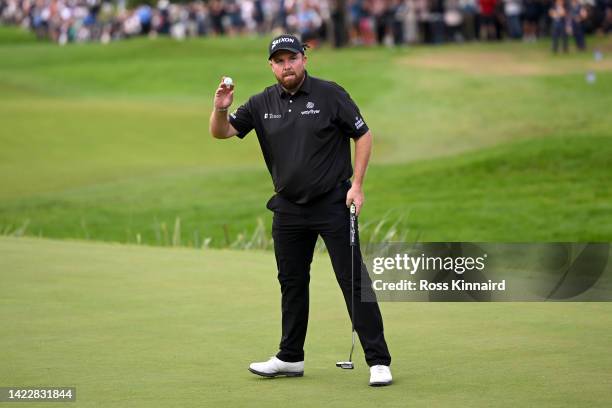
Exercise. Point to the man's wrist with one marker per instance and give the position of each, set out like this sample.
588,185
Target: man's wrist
221,109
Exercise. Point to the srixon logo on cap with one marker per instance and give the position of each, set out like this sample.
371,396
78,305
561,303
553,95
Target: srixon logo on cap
281,40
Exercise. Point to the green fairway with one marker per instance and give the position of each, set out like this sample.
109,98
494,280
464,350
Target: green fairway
142,327
479,142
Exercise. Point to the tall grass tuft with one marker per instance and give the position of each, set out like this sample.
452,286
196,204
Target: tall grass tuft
386,229
176,235
259,239
21,231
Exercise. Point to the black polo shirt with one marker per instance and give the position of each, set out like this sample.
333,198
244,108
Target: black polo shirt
304,137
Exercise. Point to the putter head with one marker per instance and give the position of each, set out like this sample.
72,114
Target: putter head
345,365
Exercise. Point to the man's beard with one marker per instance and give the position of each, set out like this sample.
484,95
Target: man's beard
290,83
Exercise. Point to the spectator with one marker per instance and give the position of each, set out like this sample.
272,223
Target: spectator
531,14
309,22
512,12
259,16
354,18
338,17
577,14
487,19
558,15
161,18
411,32
144,16
398,10
607,24
236,23
366,24
436,21
217,14
453,20
379,13
422,15
544,20
469,14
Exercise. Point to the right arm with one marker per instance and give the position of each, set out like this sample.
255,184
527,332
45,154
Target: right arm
219,126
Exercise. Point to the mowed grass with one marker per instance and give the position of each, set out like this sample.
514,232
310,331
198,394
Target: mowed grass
111,143
547,190
141,327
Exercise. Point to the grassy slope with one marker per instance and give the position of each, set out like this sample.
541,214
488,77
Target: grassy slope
533,190
173,327
109,142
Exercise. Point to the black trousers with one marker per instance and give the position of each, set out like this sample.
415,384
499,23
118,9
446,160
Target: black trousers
295,229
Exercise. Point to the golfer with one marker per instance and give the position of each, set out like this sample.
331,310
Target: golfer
304,126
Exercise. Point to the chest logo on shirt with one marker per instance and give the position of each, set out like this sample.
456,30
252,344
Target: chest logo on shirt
310,111
272,115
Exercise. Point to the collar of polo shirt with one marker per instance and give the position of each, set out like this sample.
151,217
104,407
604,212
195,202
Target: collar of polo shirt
305,88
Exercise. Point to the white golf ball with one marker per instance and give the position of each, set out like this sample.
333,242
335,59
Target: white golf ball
228,81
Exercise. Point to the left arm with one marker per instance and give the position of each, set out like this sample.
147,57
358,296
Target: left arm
363,148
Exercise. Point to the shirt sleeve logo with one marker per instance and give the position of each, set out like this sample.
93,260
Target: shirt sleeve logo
358,122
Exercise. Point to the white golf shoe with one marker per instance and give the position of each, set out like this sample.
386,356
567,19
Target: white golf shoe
275,367
380,375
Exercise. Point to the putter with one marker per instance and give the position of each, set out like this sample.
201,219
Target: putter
348,365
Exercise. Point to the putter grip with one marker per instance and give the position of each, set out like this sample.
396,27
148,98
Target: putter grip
353,224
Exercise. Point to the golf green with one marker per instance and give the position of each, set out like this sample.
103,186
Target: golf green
141,327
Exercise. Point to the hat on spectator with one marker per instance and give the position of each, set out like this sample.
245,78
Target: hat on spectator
285,42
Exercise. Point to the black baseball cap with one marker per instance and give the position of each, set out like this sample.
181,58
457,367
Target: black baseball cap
285,42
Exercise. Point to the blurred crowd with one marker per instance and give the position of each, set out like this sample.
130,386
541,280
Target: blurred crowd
341,22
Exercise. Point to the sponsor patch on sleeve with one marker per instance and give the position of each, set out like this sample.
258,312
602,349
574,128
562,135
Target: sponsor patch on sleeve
359,122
